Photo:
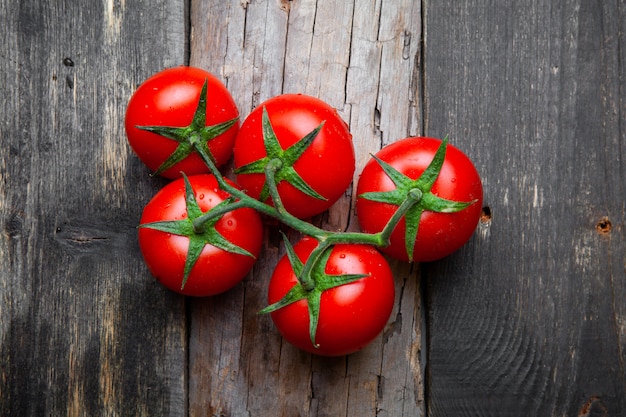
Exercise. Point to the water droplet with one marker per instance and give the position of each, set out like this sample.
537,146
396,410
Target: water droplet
342,256
201,196
453,180
230,223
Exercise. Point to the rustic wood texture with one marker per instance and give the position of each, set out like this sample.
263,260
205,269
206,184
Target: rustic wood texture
363,61
528,319
84,329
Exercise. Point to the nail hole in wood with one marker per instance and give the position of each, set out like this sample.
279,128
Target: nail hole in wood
485,215
604,226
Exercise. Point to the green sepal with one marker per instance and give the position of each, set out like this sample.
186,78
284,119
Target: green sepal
428,200
207,234
288,158
321,282
197,134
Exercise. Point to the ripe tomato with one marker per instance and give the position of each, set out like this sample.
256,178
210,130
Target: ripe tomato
350,315
216,270
170,99
439,234
327,165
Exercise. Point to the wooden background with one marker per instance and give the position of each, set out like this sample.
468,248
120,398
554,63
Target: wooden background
528,319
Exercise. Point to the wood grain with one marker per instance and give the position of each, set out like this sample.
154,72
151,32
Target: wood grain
84,329
363,61
529,318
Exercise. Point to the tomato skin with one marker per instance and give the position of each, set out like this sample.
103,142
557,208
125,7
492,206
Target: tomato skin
439,234
216,270
351,315
170,98
327,165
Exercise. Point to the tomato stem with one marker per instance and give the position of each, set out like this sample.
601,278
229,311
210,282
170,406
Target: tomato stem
278,211
306,279
281,213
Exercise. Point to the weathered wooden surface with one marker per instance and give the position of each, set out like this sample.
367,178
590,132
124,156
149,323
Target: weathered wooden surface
527,319
83,329
530,319
361,60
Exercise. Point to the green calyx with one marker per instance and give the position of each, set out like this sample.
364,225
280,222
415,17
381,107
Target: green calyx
199,227
189,138
312,282
283,158
418,190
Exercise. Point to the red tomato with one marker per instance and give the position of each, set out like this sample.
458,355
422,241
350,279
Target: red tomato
439,234
327,165
170,98
351,315
216,270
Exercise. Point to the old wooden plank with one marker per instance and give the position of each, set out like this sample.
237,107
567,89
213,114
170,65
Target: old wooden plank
84,329
363,61
528,319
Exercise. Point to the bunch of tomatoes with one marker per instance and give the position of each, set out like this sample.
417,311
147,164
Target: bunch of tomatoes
418,199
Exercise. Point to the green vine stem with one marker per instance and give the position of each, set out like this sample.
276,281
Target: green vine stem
277,211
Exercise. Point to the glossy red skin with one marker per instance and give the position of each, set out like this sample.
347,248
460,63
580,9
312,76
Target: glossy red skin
327,165
439,234
216,270
351,316
170,98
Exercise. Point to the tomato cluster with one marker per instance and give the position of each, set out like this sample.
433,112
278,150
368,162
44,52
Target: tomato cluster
418,199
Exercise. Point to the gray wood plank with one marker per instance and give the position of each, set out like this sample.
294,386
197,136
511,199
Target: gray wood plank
84,329
529,318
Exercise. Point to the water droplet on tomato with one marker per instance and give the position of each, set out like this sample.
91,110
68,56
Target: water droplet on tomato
230,223
201,196
453,180
342,256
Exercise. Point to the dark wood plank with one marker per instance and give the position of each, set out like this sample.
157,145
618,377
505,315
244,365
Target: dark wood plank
360,57
84,329
529,319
